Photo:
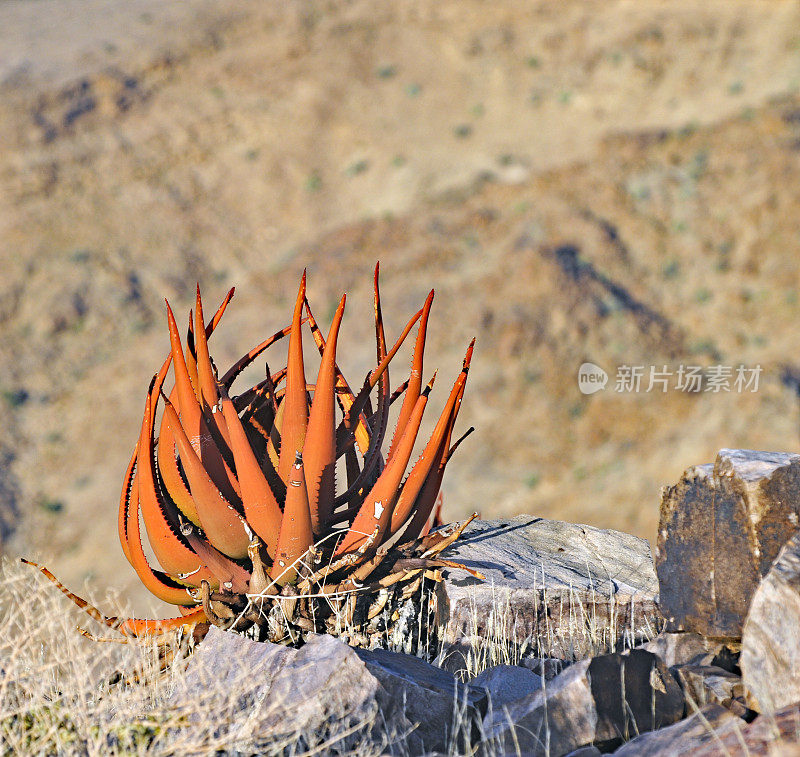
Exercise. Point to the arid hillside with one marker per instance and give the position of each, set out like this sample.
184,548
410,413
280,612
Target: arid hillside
618,185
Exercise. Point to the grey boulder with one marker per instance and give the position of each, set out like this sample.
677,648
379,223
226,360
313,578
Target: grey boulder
710,684
430,698
505,683
260,695
769,735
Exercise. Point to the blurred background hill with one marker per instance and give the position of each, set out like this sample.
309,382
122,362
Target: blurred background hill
616,183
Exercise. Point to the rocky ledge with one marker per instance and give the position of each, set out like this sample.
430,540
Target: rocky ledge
552,589
562,648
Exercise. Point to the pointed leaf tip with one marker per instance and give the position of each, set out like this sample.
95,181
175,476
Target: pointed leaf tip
427,390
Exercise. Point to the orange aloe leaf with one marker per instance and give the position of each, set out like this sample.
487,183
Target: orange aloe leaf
245,360
127,626
161,523
296,534
458,441
223,525
205,373
295,402
360,402
136,627
427,466
167,464
209,402
379,374
344,394
191,352
376,511
274,443
261,509
164,587
435,519
191,360
320,446
230,575
171,477
209,330
415,379
187,399
427,497
193,421
260,391
158,583
128,487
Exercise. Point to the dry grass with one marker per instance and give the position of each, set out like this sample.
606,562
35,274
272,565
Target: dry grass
591,630
63,693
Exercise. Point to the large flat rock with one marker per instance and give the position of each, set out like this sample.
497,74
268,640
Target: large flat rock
559,589
721,526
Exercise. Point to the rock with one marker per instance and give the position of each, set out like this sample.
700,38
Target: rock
683,737
546,667
261,692
257,693
681,648
554,589
770,658
720,528
651,699
459,658
472,653
431,698
595,700
554,720
585,751
505,683
774,734
709,684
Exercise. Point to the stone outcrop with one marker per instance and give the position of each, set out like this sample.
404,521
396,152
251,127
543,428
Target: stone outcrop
555,599
276,691
721,526
770,659
546,667
556,589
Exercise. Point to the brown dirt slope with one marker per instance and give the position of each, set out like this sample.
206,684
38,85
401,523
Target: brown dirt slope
619,186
